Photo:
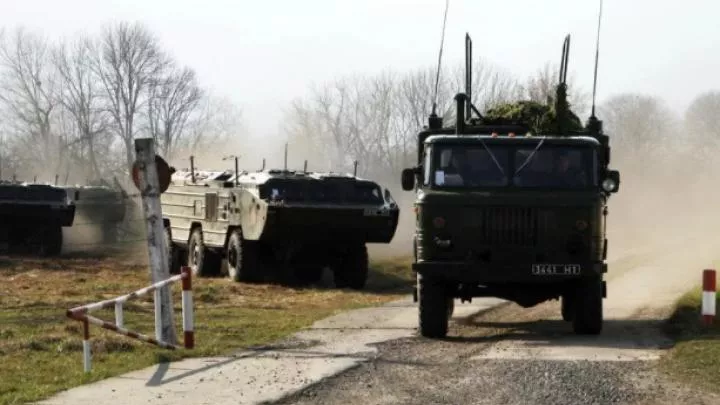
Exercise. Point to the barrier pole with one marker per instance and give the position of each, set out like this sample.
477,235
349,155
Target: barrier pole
708,296
86,346
119,314
158,317
187,309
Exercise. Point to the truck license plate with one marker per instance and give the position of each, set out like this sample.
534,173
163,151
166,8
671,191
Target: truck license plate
556,269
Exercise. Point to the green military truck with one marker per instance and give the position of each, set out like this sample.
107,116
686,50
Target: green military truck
276,224
508,213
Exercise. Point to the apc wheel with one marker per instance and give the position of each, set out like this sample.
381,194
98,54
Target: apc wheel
52,241
243,259
588,319
173,253
435,307
568,306
352,271
201,260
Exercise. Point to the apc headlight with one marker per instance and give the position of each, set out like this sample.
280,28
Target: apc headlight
609,185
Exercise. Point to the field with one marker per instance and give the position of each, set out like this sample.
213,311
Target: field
695,358
41,349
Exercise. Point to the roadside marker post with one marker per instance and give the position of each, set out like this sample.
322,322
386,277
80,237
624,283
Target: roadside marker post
708,296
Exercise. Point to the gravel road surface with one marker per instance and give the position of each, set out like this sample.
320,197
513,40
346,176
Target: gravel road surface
510,355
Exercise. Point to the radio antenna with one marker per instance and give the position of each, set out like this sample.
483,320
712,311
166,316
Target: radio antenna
437,74
597,56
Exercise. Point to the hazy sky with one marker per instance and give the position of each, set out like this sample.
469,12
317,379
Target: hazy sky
264,53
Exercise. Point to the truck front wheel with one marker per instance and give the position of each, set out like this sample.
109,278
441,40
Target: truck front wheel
588,317
435,307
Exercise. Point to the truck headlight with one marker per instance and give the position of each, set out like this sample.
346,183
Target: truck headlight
609,185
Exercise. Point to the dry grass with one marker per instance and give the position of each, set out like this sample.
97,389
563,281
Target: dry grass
41,349
695,359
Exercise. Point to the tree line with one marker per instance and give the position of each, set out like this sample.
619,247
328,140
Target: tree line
72,108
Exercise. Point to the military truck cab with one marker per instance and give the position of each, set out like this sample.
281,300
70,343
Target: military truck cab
507,211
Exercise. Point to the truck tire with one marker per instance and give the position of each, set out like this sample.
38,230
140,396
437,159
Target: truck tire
173,252
243,261
568,306
352,271
201,260
435,307
588,319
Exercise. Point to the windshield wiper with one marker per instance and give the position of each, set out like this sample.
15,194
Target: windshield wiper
522,166
492,155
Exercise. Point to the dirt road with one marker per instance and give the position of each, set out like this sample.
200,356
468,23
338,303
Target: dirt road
510,355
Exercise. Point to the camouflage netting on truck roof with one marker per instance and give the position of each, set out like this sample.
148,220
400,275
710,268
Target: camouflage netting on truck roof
539,118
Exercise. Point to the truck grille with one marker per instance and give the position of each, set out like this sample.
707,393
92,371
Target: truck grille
516,226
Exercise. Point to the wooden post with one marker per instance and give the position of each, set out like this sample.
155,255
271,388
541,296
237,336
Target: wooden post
159,267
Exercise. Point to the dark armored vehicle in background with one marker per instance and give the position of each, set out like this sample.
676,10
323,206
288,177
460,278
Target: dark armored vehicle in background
276,224
504,212
100,205
32,217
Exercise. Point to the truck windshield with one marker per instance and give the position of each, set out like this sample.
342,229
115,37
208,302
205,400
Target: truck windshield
519,166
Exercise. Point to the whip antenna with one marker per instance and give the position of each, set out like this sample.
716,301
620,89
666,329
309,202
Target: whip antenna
597,56
437,75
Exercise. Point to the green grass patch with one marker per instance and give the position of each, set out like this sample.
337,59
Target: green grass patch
695,358
41,349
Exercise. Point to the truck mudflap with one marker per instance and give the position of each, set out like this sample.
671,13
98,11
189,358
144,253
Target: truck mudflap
508,273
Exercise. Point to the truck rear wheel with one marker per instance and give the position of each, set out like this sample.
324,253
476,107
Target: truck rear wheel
243,258
435,307
588,317
201,260
352,270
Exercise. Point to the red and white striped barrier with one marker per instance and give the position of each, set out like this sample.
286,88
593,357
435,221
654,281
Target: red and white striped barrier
82,314
708,296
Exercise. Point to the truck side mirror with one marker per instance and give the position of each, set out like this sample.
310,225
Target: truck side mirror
611,182
408,179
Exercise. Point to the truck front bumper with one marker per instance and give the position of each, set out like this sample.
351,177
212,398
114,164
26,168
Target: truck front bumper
469,272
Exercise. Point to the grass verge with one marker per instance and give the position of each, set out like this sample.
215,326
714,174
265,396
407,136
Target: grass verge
41,349
695,358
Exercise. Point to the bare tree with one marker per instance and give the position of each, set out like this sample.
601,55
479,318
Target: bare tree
541,88
172,101
702,119
81,98
640,127
375,118
129,61
28,86
215,120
